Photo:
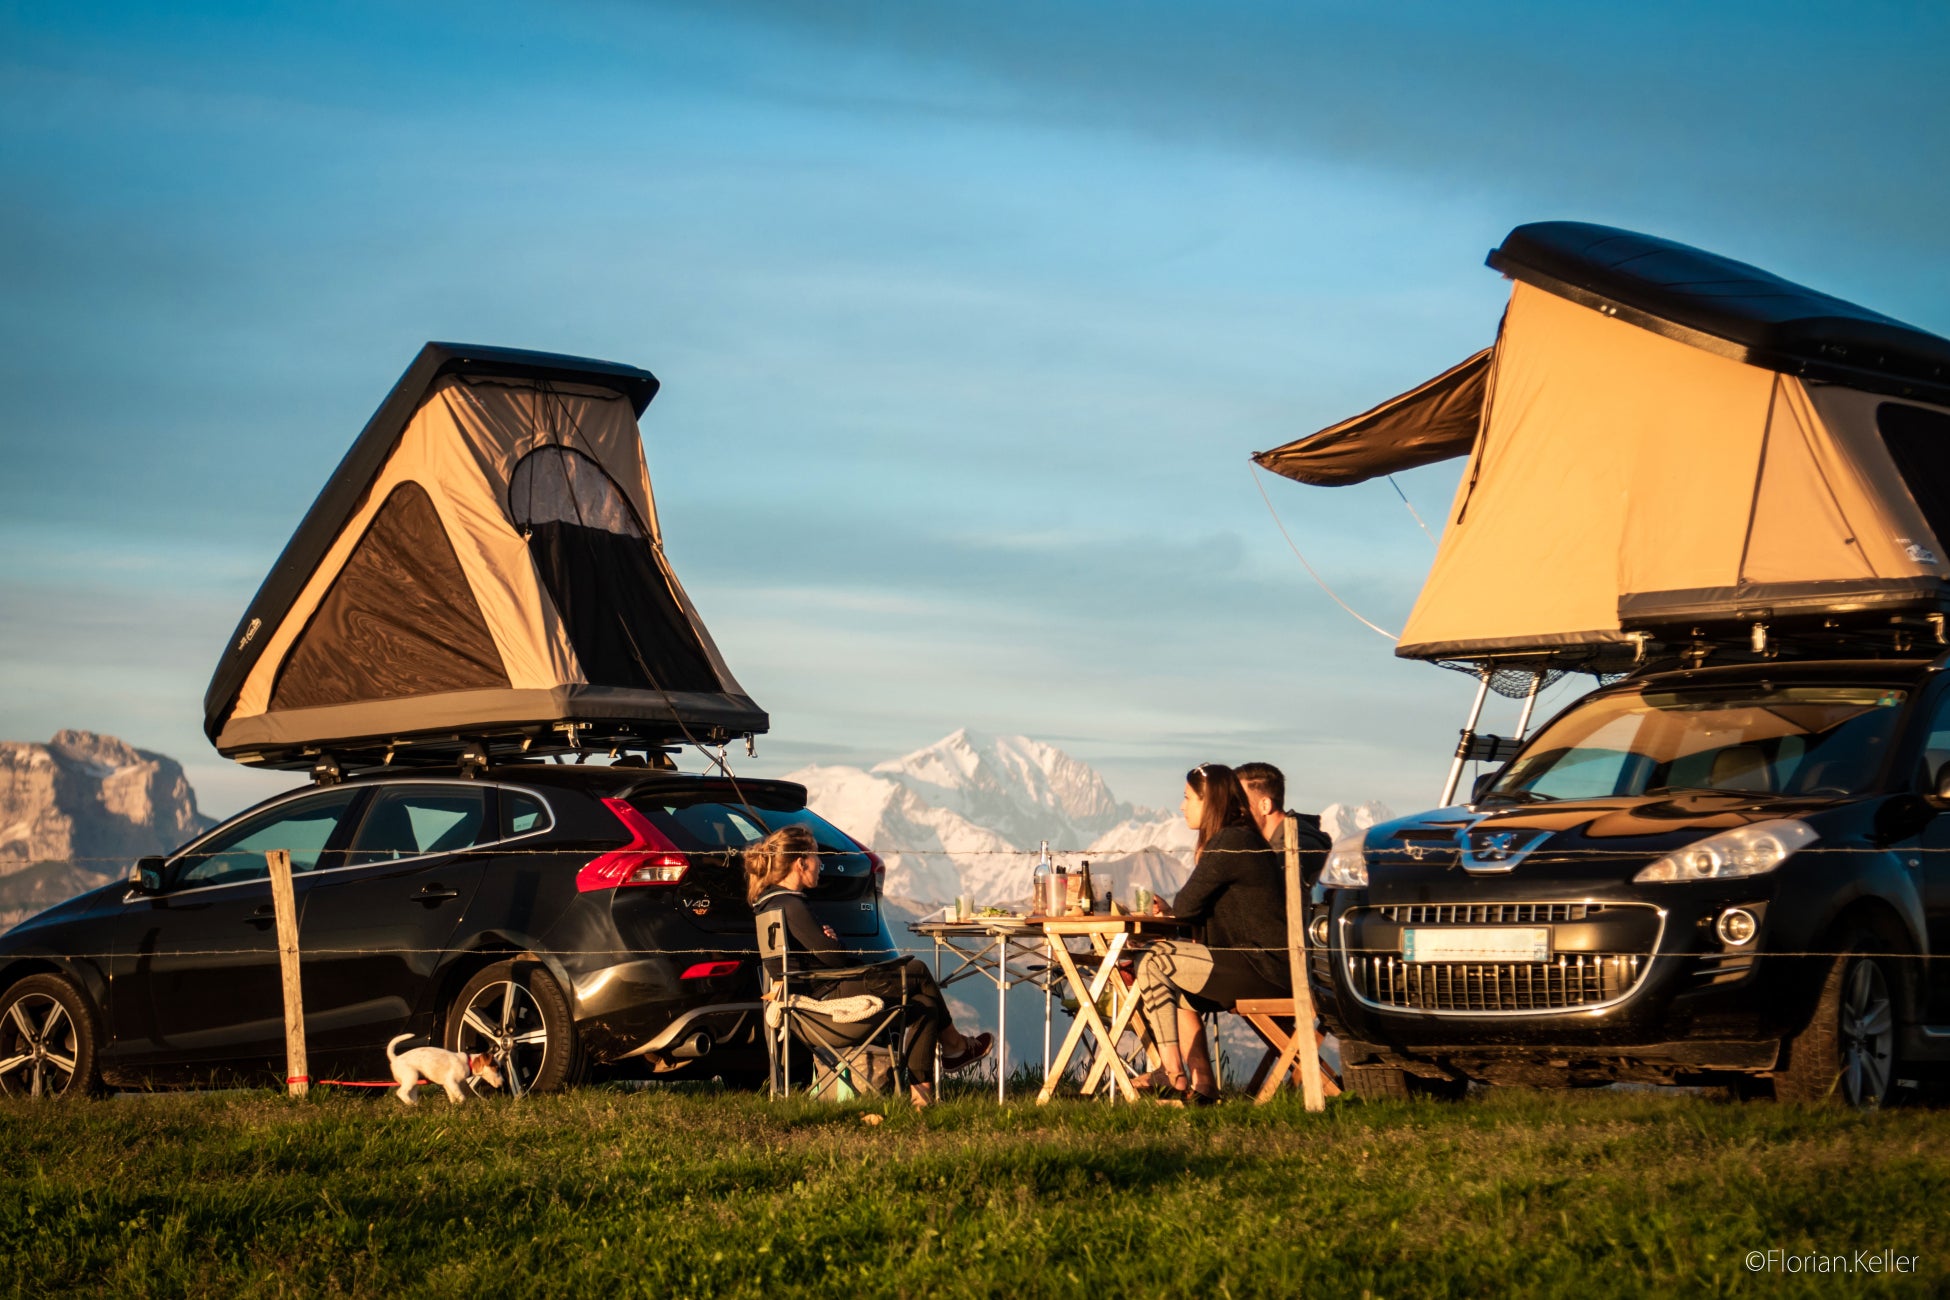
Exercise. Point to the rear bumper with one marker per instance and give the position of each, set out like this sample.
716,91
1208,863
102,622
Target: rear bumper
634,1008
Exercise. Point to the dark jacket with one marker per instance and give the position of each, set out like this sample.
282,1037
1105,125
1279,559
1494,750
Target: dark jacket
1239,891
804,933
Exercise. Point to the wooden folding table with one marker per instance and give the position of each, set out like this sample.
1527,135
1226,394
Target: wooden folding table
1108,934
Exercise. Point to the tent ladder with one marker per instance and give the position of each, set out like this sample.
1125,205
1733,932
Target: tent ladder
1468,733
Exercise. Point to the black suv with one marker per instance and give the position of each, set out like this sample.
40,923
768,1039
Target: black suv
552,915
1736,875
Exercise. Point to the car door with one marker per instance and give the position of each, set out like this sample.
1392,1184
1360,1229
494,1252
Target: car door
375,926
194,982
1930,866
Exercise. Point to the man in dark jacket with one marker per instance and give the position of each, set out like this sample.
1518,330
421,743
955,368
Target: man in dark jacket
1265,787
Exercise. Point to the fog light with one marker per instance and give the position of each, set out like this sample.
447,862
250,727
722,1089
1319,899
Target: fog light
1737,927
1317,931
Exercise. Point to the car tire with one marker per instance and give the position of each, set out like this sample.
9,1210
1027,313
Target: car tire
515,1013
1390,1083
47,1040
1847,1054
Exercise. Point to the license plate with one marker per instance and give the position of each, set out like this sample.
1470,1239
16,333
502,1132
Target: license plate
1477,943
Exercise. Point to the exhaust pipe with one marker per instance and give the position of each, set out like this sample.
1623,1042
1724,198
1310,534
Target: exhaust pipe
689,1048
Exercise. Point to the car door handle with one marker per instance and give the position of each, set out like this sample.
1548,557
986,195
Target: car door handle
265,915
435,894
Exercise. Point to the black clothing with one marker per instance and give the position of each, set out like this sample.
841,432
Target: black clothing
1239,890
805,934
927,1010
1314,844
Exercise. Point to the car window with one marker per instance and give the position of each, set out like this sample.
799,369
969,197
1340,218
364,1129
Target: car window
699,826
521,814
303,828
413,821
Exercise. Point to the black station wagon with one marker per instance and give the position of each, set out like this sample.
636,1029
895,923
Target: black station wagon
554,916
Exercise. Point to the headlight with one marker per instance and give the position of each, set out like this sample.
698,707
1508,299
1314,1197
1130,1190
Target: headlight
1347,865
1745,851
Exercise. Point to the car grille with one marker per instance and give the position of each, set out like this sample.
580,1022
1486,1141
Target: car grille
1488,913
1565,982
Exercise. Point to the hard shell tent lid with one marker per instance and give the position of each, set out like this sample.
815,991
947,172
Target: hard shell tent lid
485,569
1668,439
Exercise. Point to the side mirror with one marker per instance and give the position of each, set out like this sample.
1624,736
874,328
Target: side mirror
1483,784
147,878
1943,782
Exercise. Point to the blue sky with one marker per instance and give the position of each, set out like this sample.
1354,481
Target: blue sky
967,317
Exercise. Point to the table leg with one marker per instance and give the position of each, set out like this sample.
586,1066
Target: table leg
1061,1064
1107,1057
1049,981
1002,1021
1120,1023
944,996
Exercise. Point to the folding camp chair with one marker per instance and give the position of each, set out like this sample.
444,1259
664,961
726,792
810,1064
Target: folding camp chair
853,1042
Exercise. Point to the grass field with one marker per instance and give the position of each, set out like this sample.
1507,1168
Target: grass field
695,1193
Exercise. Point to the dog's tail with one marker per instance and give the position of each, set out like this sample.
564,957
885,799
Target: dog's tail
403,1038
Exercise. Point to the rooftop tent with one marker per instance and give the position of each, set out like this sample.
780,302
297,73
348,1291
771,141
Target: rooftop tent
1660,438
485,566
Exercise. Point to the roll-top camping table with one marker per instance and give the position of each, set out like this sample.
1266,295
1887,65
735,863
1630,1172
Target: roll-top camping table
998,949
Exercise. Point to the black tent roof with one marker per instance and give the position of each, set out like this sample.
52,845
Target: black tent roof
1728,307
354,476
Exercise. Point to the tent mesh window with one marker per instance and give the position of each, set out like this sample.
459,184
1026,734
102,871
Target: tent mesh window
1919,442
399,620
595,558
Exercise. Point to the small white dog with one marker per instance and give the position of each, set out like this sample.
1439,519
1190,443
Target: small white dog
435,1065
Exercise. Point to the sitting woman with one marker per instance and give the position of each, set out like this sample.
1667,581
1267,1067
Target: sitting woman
1238,891
779,869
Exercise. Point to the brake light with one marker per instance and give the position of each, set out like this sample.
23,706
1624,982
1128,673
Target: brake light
704,970
648,859
874,864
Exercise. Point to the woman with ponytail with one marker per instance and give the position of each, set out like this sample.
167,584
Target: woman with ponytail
779,869
1237,890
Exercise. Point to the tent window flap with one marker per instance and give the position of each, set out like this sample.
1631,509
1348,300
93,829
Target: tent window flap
1434,421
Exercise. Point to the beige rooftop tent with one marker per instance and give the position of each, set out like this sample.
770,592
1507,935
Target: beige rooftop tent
484,571
1666,446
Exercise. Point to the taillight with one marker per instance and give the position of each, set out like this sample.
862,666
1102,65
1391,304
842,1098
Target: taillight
648,859
879,867
704,970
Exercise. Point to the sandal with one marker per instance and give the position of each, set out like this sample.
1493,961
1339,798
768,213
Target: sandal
973,1050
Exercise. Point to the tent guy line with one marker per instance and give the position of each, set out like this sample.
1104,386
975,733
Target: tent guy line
1311,571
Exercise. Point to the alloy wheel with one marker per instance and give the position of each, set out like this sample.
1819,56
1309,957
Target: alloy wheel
38,1047
1868,1035
505,1021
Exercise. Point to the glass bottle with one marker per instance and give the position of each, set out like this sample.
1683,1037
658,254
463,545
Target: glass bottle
1039,889
1089,894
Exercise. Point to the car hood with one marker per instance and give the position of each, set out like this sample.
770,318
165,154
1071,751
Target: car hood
1592,840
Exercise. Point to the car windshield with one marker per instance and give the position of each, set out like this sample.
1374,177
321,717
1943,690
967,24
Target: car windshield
1793,740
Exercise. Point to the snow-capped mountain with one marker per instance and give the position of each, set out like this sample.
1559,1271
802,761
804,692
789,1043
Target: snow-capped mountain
1341,820
966,815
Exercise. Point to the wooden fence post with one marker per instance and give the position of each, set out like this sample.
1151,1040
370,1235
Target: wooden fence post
1311,1091
297,1075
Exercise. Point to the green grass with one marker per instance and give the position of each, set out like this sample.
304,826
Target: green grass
692,1193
